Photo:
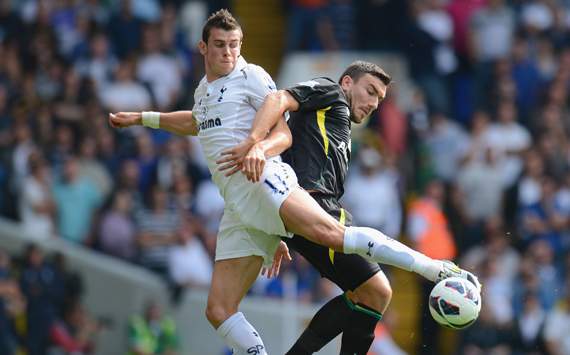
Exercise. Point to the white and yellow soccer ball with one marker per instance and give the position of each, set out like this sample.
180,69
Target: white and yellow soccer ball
455,303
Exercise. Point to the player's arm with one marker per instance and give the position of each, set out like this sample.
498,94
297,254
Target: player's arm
272,110
277,141
250,159
269,137
177,122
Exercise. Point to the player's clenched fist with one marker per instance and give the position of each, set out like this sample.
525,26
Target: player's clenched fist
125,119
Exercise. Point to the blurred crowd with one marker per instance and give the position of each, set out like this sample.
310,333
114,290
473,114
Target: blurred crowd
40,306
476,168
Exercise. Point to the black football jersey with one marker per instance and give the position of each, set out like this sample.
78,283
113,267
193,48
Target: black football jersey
321,136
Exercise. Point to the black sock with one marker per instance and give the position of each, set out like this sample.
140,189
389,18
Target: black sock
329,322
359,330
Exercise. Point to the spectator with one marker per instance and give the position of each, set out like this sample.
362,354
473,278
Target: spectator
159,70
183,192
147,161
157,229
447,144
557,325
129,180
429,233
481,182
77,200
337,26
529,186
497,293
152,333
173,163
209,205
422,60
74,333
542,220
108,152
509,139
37,284
125,30
526,77
484,336
304,18
92,169
62,148
437,23
12,304
528,330
491,36
37,207
392,125
371,194
69,105
125,93
99,64
189,264
23,148
117,231
498,246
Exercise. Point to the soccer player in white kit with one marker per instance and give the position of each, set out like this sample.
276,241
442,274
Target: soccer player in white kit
257,213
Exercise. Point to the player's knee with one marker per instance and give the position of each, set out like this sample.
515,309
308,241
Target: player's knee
375,293
384,291
217,314
381,289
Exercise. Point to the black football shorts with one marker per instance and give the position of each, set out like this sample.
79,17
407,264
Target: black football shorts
348,271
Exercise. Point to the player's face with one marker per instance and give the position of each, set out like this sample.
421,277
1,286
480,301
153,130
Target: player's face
364,95
221,52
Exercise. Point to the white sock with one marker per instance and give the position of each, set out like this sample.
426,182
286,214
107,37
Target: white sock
241,336
377,247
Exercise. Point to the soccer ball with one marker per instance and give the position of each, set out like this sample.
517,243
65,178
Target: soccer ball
455,303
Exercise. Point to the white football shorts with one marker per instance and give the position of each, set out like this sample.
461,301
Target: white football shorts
251,224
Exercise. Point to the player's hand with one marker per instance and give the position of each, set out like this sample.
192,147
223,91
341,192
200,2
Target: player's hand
253,163
282,251
125,119
232,159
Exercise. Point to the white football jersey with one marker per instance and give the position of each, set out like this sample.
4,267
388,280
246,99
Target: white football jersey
225,108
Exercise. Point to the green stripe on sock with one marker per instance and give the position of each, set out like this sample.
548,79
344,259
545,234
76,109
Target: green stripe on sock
359,308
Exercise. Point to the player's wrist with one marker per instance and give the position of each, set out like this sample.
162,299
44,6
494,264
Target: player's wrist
251,140
150,119
263,147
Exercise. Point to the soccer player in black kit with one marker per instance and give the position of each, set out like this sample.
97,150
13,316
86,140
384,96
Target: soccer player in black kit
320,155
321,114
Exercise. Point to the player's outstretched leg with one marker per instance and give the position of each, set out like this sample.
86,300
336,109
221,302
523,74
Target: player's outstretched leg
231,280
377,246
302,215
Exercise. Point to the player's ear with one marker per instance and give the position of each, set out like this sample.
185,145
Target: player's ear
346,82
202,47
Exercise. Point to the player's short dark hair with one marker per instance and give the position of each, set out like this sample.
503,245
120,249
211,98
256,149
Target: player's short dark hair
220,19
359,68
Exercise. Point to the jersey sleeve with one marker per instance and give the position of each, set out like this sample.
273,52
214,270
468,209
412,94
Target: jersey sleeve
315,94
258,85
